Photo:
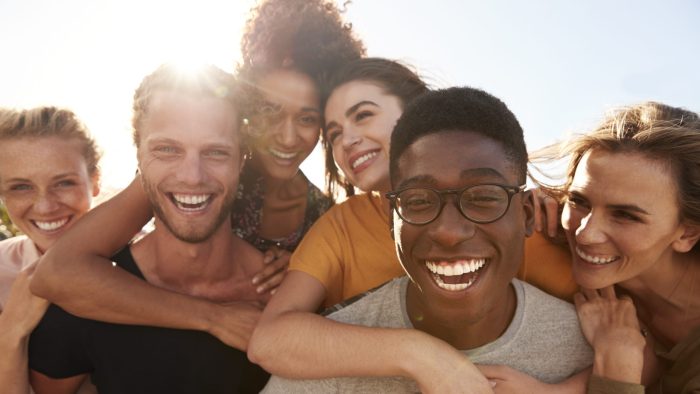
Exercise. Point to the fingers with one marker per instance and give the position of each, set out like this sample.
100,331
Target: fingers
590,294
272,282
551,212
608,292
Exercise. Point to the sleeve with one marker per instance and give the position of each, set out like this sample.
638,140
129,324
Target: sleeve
56,346
320,254
548,267
278,385
600,385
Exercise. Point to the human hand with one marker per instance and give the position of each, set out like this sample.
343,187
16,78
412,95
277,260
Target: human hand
233,323
23,310
450,372
506,380
611,327
276,263
546,213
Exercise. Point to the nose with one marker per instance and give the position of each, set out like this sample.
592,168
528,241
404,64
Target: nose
191,170
590,230
287,134
451,228
350,137
46,202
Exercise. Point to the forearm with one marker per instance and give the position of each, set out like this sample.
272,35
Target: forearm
302,345
92,240
14,374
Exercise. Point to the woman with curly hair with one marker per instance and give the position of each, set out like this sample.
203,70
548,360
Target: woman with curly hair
288,49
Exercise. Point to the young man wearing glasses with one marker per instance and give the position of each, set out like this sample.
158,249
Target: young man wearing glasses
461,215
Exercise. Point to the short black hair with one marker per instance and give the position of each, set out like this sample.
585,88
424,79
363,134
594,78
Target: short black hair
459,109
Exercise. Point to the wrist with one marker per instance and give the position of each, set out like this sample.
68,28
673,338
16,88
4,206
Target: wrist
622,363
422,354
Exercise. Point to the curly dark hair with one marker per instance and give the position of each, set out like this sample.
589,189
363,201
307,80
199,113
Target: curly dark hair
308,35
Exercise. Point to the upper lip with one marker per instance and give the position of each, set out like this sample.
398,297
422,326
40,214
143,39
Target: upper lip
454,259
357,155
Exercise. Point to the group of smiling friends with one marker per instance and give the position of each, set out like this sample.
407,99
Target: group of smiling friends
430,276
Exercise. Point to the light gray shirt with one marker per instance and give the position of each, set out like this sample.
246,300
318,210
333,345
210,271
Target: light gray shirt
543,340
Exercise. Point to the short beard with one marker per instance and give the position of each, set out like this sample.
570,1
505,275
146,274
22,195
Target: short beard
192,237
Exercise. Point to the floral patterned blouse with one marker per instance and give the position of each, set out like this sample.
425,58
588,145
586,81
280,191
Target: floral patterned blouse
247,211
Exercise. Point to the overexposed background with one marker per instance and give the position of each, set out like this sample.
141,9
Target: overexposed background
558,64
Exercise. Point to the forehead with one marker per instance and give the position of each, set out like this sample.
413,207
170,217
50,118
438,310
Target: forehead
350,93
289,88
452,158
184,116
40,157
621,178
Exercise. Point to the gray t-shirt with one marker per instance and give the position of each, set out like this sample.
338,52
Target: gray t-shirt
544,340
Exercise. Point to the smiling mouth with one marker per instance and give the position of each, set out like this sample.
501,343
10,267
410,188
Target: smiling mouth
597,260
363,159
51,226
283,155
190,202
456,275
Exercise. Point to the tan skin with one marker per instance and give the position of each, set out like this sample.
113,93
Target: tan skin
42,180
634,228
190,250
126,212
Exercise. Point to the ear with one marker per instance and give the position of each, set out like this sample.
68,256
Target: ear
688,238
528,211
95,180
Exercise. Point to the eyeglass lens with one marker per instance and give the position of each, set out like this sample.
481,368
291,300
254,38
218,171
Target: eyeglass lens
481,203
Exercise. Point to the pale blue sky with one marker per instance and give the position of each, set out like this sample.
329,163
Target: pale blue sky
558,64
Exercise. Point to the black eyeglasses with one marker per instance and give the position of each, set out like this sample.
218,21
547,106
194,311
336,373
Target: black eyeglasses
479,203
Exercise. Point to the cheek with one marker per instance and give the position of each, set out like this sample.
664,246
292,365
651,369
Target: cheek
16,206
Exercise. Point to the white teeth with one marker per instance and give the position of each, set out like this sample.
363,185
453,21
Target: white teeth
457,268
452,287
191,202
363,159
283,155
595,259
51,226
191,199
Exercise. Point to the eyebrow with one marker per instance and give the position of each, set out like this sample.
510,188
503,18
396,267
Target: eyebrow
488,173
623,207
350,111
55,177
628,207
354,108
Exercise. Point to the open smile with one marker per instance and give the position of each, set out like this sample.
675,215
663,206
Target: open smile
363,160
191,202
456,275
596,260
51,226
283,155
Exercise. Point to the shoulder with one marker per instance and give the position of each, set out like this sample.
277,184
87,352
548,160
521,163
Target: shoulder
18,252
379,307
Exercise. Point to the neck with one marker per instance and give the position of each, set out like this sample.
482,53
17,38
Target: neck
667,296
166,260
460,331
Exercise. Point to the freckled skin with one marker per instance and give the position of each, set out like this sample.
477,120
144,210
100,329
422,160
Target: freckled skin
44,179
